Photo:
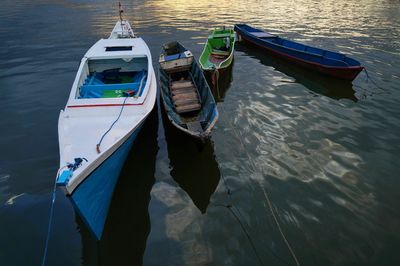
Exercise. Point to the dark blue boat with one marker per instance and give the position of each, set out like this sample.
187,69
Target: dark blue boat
323,61
187,98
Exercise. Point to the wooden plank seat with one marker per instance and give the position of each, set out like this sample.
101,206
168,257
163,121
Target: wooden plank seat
185,97
181,84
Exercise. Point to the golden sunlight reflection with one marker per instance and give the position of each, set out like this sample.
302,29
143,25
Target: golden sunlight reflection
307,21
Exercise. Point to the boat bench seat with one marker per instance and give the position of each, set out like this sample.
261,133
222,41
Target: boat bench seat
185,97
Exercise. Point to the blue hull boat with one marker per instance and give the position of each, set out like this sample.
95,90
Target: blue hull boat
114,91
323,61
98,188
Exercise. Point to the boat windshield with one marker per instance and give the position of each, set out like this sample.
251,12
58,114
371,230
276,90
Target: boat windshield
112,78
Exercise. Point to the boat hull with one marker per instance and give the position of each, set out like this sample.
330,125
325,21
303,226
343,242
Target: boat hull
217,74
93,196
172,119
346,72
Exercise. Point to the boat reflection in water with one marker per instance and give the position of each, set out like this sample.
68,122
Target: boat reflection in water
128,223
220,85
193,165
334,88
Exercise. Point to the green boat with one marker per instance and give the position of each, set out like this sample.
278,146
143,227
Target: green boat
218,51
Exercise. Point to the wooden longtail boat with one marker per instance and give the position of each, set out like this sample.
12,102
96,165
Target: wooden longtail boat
323,61
113,93
186,96
218,51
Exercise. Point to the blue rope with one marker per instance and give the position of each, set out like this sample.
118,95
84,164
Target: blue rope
53,200
119,115
72,167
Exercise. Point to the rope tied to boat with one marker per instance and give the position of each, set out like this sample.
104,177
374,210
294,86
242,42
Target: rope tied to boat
235,211
230,207
215,78
367,92
72,167
253,165
53,200
127,95
372,81
112,125
77,163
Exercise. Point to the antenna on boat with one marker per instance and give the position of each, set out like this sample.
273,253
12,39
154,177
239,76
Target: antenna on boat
120,11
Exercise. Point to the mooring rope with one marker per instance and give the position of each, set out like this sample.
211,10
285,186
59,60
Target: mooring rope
373,81
367,92
240,220
230,207
53,200
265,194
215,80
112,125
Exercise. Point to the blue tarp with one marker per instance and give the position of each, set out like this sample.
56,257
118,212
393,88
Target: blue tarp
174,56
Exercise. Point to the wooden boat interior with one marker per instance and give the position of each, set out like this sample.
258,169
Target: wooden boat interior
184,93
111,78
189,104
187,98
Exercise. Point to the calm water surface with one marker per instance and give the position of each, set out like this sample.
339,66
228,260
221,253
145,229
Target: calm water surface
326,153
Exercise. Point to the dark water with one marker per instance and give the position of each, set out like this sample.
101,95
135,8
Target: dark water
325,152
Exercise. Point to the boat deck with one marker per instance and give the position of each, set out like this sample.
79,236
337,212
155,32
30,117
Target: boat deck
185,96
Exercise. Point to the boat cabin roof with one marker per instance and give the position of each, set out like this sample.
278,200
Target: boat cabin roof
118,48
